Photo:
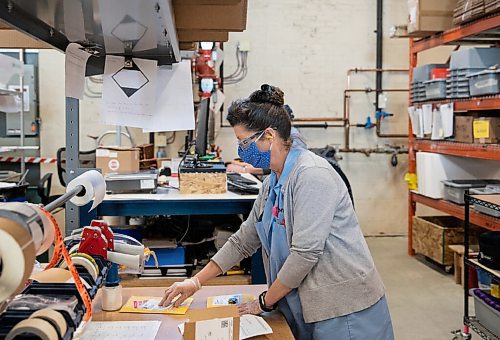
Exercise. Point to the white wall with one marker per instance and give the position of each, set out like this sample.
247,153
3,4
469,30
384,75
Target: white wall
306,48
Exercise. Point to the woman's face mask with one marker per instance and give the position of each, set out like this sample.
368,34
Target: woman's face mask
250,153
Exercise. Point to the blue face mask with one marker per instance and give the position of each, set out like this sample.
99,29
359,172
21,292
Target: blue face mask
252,155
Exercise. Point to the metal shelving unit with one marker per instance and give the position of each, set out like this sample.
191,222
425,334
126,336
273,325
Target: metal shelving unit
484,31
43,24
471,322
457,211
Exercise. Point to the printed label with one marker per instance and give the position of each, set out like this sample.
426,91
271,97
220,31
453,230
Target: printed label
114,164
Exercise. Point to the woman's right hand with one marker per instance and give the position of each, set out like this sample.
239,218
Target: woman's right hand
183,289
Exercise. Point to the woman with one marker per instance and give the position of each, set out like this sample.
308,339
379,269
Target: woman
319,270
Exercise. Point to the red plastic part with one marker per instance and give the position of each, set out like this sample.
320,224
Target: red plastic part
93,243
439,73
106,232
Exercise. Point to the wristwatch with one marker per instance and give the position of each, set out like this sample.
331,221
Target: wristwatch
262,303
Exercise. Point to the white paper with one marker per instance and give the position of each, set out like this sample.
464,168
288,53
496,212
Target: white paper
427,118
214,329
75,65
174,109
74,27
437,129
128,96
217,100
447,120
10,104
9,67
95,188
250,326
128,25
253,325
26,96
413,119
118,330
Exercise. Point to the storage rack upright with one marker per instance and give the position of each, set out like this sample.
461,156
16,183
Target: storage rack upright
471,321
485,31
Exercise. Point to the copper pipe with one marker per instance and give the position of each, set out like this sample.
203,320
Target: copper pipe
378,126
319,119
359,70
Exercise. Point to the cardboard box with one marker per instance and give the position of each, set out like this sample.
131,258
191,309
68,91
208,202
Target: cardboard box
432,236
146,151
463,129
202,35
487,130
221,321
211,17
426,17
117,159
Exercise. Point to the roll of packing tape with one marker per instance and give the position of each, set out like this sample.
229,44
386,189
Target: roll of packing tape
74,249
34,328
22,213
90,258
95,188
91,268
52,275
54,317
17,255
48,229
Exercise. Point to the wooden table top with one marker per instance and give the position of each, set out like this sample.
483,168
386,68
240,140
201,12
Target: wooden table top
168,328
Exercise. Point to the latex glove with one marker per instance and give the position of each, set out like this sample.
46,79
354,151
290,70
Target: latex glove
182,290
252,307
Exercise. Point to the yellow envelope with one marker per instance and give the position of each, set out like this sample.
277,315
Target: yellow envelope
149,305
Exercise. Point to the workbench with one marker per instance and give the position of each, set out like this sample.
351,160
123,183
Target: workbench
169,201
169,323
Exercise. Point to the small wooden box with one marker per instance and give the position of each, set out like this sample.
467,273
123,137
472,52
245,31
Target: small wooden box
203,183
433,234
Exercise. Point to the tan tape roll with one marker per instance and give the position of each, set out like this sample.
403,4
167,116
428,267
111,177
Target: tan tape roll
84,262
35,327
48,229
52,275
17,253
54,317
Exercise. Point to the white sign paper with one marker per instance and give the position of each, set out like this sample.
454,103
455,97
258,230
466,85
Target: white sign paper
75,65
128,96
174,109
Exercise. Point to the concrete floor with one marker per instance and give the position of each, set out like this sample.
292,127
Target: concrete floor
424,303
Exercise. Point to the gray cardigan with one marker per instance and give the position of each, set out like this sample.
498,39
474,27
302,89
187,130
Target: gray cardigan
329,260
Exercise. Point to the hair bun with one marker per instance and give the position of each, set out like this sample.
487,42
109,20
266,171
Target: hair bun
268,94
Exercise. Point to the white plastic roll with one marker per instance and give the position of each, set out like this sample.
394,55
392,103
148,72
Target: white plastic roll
112,298
95,188
131,261
129,249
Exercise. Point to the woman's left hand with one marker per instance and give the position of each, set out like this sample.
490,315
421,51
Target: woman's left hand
252,307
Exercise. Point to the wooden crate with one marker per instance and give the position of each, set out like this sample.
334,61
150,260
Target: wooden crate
203,183
433,234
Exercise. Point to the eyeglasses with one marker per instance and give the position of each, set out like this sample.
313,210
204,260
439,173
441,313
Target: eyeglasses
245,143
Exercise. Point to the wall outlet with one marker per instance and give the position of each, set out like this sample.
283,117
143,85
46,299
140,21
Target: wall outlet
244,45
160,139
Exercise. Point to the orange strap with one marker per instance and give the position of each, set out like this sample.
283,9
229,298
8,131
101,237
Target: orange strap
61,251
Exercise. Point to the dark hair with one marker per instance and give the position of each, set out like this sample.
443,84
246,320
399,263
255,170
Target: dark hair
263,109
